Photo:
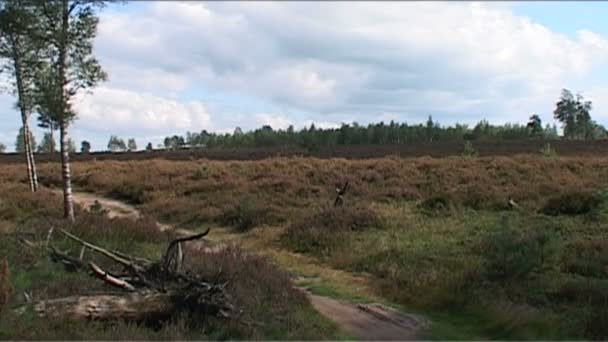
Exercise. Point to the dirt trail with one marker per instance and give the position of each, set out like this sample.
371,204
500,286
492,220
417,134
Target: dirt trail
362,321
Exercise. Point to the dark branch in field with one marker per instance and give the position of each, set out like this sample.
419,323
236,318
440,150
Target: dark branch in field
340,191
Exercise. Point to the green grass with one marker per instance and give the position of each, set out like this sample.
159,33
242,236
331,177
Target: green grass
484,274
254,283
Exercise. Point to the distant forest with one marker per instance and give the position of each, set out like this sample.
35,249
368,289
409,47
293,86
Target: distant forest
573,112
355,134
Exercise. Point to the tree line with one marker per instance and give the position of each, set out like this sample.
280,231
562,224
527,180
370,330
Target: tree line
46,51
573,112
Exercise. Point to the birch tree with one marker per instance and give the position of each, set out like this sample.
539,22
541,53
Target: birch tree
20,54
69,28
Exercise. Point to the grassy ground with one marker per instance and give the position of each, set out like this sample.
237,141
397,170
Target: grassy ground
272,309
498,274
435,236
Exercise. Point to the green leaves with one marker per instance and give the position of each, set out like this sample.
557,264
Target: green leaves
69,64
574,113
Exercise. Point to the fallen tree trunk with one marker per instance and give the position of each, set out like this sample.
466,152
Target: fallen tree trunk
136,306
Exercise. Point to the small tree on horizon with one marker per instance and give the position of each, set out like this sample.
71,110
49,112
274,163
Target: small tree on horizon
2,148
535,126
47,145
131,145
71,146
85,147
116,144
20,142
574,114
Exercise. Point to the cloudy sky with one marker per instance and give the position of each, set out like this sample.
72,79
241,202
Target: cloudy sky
175,67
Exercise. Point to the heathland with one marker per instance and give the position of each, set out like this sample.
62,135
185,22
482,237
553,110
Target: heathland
486,247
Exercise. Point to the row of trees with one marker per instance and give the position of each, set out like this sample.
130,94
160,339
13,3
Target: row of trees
117,144
46,50
573,112
355,134
47,145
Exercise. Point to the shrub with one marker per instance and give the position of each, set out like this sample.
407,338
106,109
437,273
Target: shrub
592,296
246,215
571,203
437,203
201,173
97,208
328,229
270,304
587,257
479,198
512,253
130,192
547,151
469,151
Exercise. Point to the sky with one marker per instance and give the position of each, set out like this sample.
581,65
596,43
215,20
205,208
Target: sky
187,66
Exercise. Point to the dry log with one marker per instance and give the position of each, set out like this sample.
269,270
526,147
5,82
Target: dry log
137,306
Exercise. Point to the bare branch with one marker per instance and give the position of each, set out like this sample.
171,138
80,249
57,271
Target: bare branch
100,250
110,279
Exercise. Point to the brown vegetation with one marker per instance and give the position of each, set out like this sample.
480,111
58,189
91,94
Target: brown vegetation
428,230
269,307
194,192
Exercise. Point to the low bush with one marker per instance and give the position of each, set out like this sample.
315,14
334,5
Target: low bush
271,306
328,229
441,202
469,151
547,151
201,173
513,253
572,203
591,298
246,215
131,192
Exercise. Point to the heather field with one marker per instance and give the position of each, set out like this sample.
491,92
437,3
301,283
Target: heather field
488,247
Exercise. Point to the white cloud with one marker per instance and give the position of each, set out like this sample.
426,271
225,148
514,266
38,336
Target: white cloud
273,120
360,58
598,96
329,62
124,111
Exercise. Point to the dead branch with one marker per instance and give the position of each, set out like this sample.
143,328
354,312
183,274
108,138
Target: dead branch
100,250
172,260
70,264
340,191
110,279
49,234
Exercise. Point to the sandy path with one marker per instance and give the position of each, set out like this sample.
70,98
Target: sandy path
362,321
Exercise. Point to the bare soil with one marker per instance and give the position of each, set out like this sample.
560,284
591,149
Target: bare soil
362,321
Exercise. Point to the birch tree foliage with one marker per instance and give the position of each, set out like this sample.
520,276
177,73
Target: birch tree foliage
19,51
69,28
